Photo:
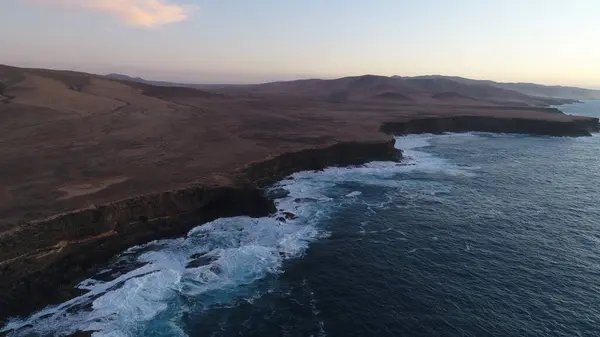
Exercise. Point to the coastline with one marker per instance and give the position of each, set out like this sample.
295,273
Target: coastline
52,261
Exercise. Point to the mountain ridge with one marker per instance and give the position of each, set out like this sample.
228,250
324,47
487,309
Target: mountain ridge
418,90
376,87
528,88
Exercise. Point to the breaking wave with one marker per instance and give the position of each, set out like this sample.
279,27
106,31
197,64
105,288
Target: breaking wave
149,287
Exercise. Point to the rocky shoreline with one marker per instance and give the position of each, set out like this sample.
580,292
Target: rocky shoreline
574,128
42,261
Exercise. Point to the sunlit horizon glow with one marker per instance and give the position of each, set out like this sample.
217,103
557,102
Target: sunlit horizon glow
541,41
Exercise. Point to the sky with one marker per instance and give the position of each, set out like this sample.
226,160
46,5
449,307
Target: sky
243,41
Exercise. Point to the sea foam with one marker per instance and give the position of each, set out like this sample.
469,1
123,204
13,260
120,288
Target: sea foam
151,285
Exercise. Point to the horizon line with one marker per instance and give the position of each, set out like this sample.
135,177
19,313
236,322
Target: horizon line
290,78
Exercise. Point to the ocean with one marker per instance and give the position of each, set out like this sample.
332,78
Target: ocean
472,234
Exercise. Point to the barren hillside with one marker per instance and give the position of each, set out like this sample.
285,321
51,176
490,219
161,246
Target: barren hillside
69,140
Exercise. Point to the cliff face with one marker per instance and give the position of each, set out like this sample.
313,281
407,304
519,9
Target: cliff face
342,154
576,127
40,262
43,260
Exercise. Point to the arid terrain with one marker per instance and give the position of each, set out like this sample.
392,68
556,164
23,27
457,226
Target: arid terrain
72,140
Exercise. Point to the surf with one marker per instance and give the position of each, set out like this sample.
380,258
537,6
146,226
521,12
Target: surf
216,263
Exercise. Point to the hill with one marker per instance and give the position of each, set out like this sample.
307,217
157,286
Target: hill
531,89
452,97
62,130
415,90
123,77
407,89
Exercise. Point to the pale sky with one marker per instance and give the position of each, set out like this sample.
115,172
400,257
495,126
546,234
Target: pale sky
239,41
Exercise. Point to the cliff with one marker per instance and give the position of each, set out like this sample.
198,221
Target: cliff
43,260
274,169
545,127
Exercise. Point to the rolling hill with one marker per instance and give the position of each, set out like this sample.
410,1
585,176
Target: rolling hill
417,90
407,90
531,89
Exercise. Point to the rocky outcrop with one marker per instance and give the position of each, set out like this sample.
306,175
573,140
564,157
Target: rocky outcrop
43,260
342,154
40,262
548,127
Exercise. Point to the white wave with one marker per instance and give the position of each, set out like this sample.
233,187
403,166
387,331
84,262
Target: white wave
382,173
233,252
425,162
225,255
364,224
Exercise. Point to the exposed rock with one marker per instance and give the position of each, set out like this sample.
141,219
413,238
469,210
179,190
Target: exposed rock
277,193
216,269
64,249
304,200
290,216
287,216
82,334
199,260
342,154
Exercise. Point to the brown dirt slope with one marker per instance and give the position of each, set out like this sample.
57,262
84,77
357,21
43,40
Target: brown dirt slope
70,140
454,97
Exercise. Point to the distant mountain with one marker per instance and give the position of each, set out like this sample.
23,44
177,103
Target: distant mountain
122,77
163,89
125,78
531,89
553,91
402,90
433,89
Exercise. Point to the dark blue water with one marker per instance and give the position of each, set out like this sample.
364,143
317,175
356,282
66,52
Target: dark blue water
471,235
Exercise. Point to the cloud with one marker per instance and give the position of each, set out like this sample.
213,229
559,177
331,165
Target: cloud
142,13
